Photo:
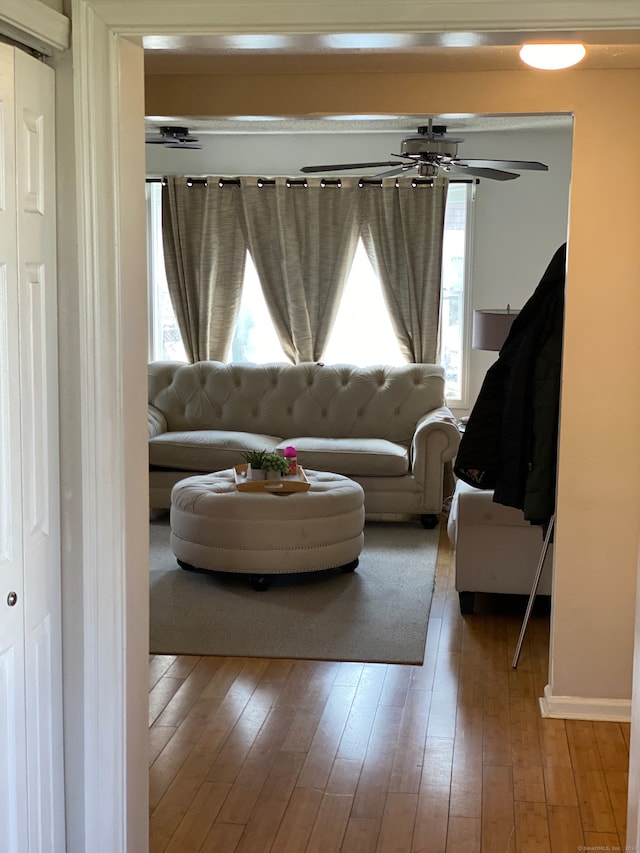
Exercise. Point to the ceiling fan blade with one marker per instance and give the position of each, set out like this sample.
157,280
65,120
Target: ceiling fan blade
191,145
493,174
155,140
334,167
519,165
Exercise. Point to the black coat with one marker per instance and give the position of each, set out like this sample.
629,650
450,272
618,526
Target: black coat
510,442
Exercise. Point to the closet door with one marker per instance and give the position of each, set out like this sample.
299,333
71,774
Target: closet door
13,765
38,338
30,513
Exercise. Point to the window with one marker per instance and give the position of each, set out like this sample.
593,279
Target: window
255,338
454,278
165,341
363,333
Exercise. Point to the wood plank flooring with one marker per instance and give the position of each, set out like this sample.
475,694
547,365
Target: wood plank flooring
250,755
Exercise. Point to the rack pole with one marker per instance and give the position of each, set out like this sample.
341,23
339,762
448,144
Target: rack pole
534,588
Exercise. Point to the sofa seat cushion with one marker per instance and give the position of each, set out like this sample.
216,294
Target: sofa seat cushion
351,456
206,450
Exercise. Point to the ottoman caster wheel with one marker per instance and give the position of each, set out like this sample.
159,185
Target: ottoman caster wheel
186,566
349,567
429,521
260,582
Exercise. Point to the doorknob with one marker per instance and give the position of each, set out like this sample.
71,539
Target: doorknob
12,598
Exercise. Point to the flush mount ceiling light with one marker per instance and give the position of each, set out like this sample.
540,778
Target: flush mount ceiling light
551,57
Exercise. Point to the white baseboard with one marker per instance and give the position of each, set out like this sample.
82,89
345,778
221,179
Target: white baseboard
579,708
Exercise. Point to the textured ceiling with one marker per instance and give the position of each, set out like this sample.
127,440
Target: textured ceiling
382,53
404,125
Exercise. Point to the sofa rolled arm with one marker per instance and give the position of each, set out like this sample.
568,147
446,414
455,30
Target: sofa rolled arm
435,442
156,421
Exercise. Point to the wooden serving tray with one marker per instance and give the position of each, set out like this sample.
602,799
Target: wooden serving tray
289,483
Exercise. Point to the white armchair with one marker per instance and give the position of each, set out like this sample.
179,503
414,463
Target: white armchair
495,549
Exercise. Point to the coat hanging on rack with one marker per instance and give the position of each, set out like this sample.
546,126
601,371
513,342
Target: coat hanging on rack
510,442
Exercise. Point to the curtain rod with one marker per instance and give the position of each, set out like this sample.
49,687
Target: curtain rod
302,182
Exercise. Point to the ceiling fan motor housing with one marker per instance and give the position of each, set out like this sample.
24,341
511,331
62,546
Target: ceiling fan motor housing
424,147
174,131
173,137
427,170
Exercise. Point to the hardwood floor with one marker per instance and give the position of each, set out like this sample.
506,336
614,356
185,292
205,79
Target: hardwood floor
249,755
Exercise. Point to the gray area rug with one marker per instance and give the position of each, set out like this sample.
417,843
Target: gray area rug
378,613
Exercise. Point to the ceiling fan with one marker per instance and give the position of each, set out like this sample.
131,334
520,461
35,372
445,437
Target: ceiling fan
173,137
434,153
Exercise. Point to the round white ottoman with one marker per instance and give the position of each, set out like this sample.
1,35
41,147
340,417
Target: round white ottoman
218,528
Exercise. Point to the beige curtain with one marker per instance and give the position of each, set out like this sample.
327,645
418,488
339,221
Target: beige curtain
204,252
402,232
302,238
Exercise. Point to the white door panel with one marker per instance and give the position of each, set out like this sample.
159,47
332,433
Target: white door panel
31,774
33,352
13,802
13,773
40,453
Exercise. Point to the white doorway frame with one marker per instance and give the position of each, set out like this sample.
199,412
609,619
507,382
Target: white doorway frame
105,359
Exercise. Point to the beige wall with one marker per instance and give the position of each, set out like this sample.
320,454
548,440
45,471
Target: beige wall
599,496
599,499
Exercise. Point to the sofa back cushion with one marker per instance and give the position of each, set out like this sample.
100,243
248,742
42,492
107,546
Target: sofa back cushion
333,401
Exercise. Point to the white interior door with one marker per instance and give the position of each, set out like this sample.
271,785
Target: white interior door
13,765
32,783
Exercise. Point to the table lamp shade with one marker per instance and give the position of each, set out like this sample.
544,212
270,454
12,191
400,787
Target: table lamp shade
491,327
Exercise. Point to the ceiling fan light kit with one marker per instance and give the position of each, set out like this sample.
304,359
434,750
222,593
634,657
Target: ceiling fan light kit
432,153
552,57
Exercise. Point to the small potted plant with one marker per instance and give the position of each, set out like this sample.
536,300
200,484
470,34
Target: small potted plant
255,464
275,465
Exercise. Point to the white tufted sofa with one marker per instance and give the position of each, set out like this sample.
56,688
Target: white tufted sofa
385,427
